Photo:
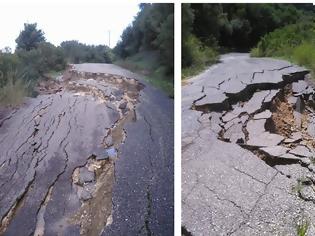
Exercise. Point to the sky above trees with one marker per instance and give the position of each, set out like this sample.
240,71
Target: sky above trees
87,22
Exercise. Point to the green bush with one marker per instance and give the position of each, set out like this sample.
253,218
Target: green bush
281,42
151,30
19,72
30,37
148,64
304,54
194,52
76,52
295,43
255,52
196,56
35,63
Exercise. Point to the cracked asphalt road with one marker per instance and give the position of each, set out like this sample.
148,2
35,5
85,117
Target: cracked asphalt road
91,155
247,149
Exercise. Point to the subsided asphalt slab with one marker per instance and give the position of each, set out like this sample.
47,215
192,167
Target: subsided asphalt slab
235,178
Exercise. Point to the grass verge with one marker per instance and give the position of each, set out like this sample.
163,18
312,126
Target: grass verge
191,71
196,56
148,64
13,92
295,43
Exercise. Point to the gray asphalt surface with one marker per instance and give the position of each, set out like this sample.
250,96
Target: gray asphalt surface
247,143
143,194
48,138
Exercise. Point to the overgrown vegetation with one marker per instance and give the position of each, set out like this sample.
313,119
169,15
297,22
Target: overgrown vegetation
35,59
231,27
76,52
147,63
31,61
14,90
147,45
295,43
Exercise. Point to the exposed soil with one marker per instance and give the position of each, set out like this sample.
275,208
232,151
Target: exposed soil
282,114
96,212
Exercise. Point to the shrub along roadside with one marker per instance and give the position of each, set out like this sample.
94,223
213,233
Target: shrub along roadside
295,43
76,52
233,27
198,56
35,59
20,71
147,45
147,63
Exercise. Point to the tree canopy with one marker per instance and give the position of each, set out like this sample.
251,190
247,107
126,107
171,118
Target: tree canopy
236,27
76,52
152,29
240,25
30,37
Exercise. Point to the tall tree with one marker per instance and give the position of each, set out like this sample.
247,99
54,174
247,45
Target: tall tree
30,37
151,30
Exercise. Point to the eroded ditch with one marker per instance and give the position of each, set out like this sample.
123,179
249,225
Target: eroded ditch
274,121
93,182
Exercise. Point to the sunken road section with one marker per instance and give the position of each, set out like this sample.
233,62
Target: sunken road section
248,149
58,153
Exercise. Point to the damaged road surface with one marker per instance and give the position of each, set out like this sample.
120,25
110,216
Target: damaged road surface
248,149
91,155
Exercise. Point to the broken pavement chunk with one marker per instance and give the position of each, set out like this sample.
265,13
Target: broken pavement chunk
255,102
272,77
301,151
233,86
109,153
213,96
84,194
275,150
86,176
109,141
255,127
263,115
311,126
123,105
299,87
235,134
271,95
265,139
292,100
230,116
295,137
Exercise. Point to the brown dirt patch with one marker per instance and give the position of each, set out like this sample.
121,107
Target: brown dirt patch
282,114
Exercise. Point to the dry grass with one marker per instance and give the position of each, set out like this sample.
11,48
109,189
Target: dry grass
13,92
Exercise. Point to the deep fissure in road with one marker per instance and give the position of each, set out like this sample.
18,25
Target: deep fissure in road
280,131
248,148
